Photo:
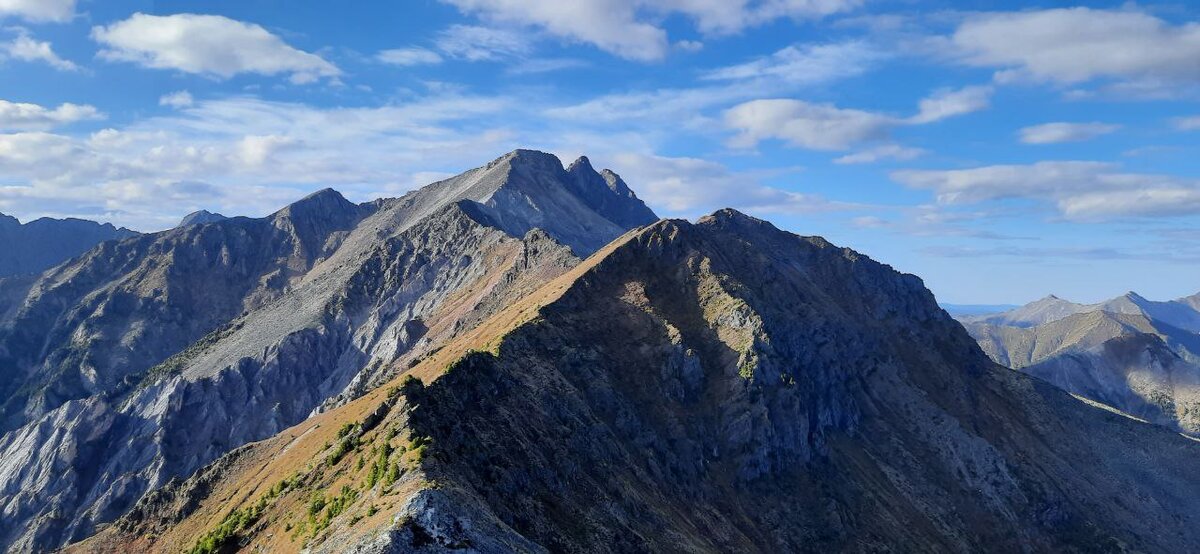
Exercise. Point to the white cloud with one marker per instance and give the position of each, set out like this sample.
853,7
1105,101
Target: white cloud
545,65
689,186
627,28
804,64
39,10
947,103
209,45
884,152
1079,190
1187,123
1050,133
682,106
409,57
828,127
254,155
27,49
15,116
180,99
804,124
869,222
472,43
1076,45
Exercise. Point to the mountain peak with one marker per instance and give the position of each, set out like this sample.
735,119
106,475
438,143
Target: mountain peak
201,216
581,163
522,157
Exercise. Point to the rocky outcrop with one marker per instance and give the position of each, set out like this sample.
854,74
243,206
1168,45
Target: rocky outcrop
43,243
720,386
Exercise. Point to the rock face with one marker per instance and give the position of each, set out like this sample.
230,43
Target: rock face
1136,355
44,243
720,386
169,350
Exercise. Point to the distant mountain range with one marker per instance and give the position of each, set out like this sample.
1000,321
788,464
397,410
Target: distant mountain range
31,248
1137,355
525,358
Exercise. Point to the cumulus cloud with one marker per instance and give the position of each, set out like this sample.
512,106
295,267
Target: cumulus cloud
209,45
409,56
180,99
25,48
39,10
804,124
947,103
628,28
1051,133
690,186
1076,45
804,64
16,116
1080,190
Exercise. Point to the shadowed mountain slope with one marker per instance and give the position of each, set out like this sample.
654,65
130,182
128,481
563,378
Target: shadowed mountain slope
713,387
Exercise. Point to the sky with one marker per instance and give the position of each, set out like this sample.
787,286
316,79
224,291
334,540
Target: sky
1000,150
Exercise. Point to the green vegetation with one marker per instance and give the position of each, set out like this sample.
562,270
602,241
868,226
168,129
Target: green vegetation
322,511
241,519
379,466
343,447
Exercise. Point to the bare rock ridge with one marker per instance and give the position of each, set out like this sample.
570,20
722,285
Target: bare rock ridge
1136,355
145,359
33,247
721,386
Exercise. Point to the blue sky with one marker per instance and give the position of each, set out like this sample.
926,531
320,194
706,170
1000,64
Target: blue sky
1000,150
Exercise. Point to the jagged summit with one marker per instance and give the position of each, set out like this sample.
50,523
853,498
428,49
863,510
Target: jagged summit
528,188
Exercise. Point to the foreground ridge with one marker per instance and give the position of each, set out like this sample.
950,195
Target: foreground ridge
717,386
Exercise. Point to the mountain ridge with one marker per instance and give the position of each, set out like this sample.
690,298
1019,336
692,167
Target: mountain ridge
758,391
38,245
355,287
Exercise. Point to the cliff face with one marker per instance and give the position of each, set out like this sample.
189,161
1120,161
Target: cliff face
187,344
96,324
711,387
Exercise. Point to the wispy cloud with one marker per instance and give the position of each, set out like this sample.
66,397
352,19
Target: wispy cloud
1080,190
630,29
1051,133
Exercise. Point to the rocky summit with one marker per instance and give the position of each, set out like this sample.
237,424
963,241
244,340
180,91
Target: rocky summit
523,358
